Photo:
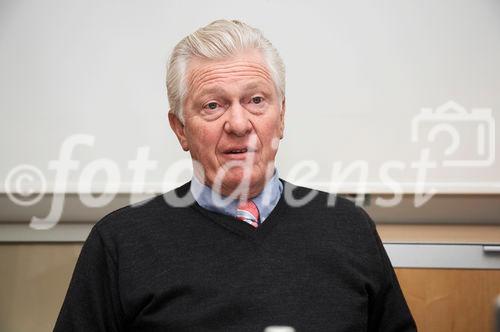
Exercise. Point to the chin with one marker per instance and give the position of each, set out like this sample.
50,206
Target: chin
236,175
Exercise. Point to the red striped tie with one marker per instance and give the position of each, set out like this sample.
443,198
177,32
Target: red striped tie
248,212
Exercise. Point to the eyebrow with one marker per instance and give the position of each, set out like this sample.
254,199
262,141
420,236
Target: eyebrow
250,86
209,91
219,90
254,85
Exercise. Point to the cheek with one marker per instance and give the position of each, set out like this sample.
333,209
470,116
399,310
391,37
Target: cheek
204,139
269,133
271,128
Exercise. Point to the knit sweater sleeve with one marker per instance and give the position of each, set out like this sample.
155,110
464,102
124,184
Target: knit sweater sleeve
92,301
388,310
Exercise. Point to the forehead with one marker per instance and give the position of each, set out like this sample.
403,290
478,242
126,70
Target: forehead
247,67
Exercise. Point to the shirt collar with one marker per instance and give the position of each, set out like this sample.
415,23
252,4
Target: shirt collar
211,200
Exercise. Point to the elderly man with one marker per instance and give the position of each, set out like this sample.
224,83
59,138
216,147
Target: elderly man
251,250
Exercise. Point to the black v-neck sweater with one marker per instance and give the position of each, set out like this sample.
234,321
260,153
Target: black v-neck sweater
155,267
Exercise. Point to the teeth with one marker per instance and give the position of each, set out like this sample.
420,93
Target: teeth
239,151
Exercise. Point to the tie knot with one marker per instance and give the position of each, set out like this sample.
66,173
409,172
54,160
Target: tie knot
248,212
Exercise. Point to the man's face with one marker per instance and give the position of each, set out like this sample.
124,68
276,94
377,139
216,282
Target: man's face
233,120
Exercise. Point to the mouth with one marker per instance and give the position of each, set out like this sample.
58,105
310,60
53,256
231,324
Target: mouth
236,151
241,154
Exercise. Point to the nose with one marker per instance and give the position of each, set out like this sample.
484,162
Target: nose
237,122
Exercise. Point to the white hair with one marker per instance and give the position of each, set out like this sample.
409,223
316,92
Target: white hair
217,40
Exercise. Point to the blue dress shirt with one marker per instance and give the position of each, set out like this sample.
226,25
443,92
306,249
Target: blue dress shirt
213,201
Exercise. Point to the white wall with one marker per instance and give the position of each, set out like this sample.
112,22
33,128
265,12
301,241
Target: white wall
358,73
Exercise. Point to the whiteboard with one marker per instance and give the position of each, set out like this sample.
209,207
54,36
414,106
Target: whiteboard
361,75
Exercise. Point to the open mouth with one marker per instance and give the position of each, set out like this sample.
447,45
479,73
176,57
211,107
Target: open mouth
239,151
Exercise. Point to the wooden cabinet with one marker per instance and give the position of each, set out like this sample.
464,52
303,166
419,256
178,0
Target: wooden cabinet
451,300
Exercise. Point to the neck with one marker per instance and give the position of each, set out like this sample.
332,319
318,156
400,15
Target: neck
243,190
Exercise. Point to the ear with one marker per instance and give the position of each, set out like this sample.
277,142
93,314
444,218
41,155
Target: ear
179,130
282,118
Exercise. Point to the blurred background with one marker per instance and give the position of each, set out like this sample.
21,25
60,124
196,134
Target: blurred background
394,103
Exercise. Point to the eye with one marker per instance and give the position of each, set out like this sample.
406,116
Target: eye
212,105
257,100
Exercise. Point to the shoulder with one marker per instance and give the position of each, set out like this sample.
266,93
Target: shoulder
329,220
309,198
147,215
332,209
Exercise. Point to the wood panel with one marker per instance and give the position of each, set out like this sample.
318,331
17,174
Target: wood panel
451,300
33,283
414,233
35,277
